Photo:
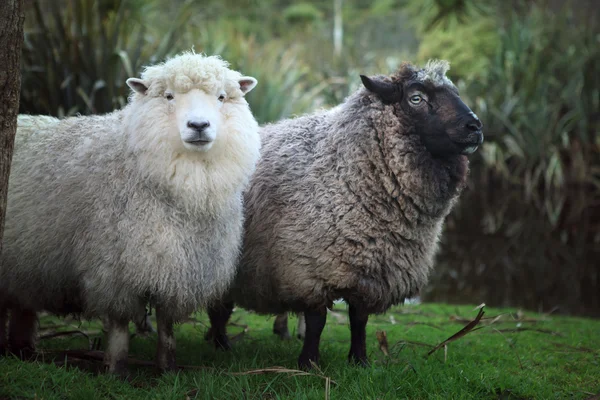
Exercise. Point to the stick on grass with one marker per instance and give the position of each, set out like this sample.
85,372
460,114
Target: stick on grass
468,328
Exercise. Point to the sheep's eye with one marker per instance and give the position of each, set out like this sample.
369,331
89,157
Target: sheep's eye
222,98
169,96
416,99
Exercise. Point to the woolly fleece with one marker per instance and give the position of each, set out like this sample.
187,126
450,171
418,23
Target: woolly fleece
106,213
346,203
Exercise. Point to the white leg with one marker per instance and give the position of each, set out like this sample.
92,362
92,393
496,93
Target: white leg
115,356
165,353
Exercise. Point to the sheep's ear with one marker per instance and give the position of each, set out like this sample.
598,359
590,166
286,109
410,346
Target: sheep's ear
247,83
387,91
137,85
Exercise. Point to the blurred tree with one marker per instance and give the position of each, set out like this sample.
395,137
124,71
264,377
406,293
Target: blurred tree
11,39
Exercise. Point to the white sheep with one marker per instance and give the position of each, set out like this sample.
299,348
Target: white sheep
143,205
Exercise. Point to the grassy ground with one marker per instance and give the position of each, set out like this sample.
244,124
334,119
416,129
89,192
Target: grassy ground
515,356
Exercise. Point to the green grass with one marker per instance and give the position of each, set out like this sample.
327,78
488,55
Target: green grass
558,357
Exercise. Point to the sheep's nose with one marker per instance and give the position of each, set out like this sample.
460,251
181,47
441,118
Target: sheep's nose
198,126
474,124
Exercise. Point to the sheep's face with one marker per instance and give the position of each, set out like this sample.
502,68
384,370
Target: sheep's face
197,114
198,117
433,107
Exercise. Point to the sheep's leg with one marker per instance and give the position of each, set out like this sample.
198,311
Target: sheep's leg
301,328
358,332
3,337
280,326
22,332
165,354
143,324
315,322
117,349
219,316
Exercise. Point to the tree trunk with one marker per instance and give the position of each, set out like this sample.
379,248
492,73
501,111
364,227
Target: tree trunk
11,39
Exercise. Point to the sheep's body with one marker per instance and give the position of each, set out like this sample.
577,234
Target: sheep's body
107,213
128,238
340,207
349,203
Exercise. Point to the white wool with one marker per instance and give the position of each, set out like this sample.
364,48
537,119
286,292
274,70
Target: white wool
107,211
190,70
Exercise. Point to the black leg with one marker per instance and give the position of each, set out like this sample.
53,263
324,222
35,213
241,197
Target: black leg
358,333
22,332
219,316
280,326
315,322
3,336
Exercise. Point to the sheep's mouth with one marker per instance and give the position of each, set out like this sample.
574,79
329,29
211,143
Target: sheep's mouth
469,146
199,142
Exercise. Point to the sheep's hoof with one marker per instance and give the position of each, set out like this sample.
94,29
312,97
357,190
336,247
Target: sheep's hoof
306,363
169,367
283,335
359,361
222,342
119,370
25,352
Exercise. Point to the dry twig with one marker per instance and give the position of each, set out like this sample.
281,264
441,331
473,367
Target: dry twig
468,328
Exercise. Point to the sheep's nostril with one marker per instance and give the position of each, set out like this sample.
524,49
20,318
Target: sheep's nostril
474,125
198,126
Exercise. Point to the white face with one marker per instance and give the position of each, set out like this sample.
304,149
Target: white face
196,114
198,117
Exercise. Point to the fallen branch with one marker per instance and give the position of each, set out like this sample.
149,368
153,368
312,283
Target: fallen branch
468,328
99,356
68,333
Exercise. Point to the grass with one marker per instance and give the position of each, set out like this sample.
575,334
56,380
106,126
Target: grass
514,356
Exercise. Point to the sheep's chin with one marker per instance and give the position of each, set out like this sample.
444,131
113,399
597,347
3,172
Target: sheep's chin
469,150
199,146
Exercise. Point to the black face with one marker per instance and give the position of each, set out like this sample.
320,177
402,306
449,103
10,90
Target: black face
446,125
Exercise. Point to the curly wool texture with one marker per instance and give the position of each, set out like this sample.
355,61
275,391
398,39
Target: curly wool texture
346,203
106,213
181,74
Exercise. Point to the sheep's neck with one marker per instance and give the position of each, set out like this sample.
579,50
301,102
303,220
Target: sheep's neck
411,183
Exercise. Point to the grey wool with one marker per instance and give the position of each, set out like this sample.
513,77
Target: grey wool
350,202
344,204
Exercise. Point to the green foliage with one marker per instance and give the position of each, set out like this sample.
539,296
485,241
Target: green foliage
77,54
284,83
461,31
302,13
518,355
530,73
539,100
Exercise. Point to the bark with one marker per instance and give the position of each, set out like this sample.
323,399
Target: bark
11,40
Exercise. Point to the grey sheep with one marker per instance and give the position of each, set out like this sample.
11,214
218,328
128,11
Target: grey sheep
143,205
349,203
